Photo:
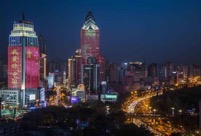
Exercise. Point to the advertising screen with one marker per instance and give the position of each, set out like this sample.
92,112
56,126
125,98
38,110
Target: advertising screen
32,97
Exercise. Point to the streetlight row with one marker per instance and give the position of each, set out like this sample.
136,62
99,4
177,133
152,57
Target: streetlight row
173,109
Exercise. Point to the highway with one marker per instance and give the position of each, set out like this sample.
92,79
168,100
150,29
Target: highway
153,122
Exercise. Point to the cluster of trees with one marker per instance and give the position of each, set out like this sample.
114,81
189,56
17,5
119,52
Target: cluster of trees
100,124
63,93
186,100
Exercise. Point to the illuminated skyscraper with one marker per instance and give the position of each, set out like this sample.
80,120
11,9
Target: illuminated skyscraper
74,69
90,47
90,43
90,39
90,76
23,58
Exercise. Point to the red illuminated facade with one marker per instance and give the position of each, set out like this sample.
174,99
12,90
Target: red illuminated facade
23,57
90,47
14,66
90,43
32,67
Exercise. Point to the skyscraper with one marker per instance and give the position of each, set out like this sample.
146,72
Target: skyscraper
74,68
90,47
23,57
90,43
43,57
90,76
152,70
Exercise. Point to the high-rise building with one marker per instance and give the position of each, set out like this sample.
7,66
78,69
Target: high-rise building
74,69
1,70
182,72
43,57
161,71
53,66
169,68
194,70
113,73
23,57
78,67
50,80
152,70
90,43
139,69
90,47
90,76
90,39
71,70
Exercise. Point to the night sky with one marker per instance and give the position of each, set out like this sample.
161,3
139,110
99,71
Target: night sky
130,30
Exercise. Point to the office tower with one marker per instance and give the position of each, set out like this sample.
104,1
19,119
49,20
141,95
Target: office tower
174,77
182,72
43,57
53,66
74,69
194,70
152,70
78,62
90,76
139,69
102,62
162,72
42,44
1,69
90,47
90,43
23,57
113,73
51,80
103,87
71,71
122,72
169,68
64,77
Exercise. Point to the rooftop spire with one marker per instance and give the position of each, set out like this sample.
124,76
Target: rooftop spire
23,16
90,16
89,22
23,20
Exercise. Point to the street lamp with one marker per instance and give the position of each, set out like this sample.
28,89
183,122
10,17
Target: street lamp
150,110
197,132
180,111
37,102
172,111
107,109
154,110
3,103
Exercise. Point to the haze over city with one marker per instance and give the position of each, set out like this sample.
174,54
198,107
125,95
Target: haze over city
100,68
146,30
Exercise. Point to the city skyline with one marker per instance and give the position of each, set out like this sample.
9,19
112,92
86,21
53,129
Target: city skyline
133,30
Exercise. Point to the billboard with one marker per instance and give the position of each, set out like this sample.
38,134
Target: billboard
74,99
109,97
32,97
